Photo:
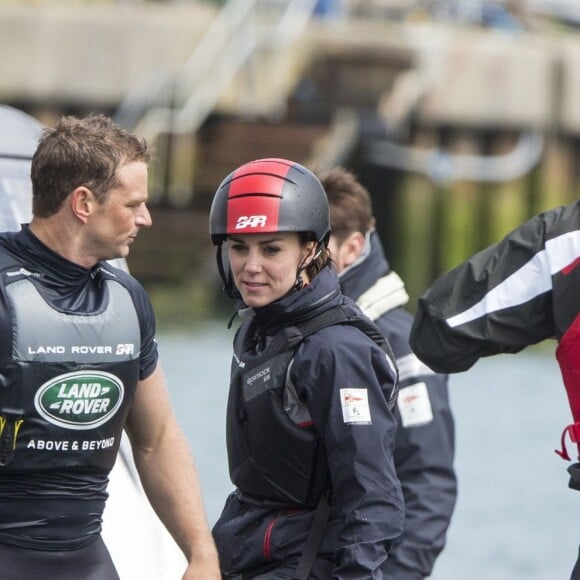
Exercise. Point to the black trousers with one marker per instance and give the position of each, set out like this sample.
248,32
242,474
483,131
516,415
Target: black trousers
91,562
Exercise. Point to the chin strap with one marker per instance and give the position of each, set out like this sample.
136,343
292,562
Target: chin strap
229,287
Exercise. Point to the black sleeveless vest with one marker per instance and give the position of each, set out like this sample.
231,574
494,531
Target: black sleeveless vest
271,459
66,393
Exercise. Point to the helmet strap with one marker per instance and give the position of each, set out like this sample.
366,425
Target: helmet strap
229,287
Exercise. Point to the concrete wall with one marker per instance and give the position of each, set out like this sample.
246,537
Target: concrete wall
489,79
474,77
59,54
64,53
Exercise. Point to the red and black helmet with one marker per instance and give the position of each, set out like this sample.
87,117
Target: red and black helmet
269,195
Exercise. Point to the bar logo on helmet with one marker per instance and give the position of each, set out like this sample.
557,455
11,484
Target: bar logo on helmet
251,221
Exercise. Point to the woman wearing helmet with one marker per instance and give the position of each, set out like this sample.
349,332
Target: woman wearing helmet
310,429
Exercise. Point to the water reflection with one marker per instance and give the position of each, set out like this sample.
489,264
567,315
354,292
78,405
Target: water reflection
197,369
515,516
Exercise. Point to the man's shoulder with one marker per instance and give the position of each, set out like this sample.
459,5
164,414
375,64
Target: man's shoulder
110,271
395,326
8,253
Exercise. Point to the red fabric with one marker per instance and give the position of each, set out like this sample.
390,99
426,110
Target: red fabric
568,356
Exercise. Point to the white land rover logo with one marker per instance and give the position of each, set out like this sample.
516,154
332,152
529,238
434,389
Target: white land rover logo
80,400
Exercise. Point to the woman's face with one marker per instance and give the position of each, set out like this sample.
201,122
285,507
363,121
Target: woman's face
265,266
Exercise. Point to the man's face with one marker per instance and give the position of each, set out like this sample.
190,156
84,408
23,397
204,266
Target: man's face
116,221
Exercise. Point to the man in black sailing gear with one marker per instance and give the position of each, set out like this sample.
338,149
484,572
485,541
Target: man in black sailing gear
310,425
518,292
424,446
79,363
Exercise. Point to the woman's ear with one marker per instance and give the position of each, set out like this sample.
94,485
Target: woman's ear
309,252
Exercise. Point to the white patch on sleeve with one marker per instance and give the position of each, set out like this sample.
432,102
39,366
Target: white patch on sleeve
414,405
355,406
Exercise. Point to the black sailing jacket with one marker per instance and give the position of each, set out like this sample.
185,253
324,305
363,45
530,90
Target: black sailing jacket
330,368
513,294
425,442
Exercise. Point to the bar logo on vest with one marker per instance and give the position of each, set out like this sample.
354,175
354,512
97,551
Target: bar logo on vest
80,400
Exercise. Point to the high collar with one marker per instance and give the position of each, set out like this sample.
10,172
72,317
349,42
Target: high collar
40,257
357,278
66,285
322,293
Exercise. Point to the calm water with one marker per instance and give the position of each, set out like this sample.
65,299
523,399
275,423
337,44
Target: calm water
515,517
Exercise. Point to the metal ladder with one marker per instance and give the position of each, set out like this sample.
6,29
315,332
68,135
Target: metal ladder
178,103
168,108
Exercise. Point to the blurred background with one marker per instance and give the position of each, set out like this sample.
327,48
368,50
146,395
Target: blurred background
460,117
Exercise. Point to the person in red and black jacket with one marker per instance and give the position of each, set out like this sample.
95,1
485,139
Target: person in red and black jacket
511,295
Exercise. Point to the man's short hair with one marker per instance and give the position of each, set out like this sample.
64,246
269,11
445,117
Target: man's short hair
80,152
350,203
